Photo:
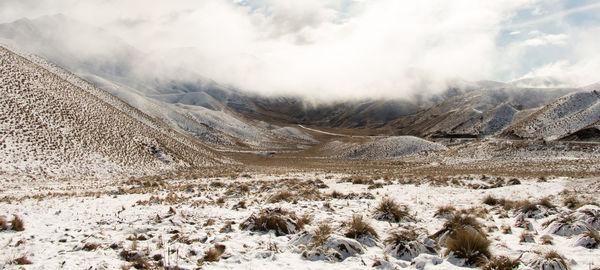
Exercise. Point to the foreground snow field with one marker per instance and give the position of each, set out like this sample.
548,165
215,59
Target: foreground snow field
208,223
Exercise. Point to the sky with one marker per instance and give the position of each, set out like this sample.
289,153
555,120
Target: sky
350,48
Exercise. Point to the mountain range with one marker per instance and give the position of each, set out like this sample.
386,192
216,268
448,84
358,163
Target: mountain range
73,92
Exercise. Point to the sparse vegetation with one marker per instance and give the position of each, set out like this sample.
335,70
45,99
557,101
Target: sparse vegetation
17,224
390,210
358,227
501,263
22,261
275,219
469,245
3,223
213,254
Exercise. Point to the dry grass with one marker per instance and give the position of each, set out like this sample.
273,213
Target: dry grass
280,221
553,255
469,245
3,223
22,261
445,211
458,222
501,263
17,224
321,235
90,246
213,254
390,210
358,227
282,195
594,235
490,200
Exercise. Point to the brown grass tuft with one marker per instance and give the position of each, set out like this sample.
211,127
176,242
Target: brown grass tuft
214,253
358,227
390,210
3,223
501,263
22,261
469,245
17,224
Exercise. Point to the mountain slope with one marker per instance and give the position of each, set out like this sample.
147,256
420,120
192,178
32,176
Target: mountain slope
477,113
574,113
181,98
55,124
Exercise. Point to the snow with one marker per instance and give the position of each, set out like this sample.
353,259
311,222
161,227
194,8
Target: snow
61,217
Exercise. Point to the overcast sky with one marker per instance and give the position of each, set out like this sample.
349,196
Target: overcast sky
350,47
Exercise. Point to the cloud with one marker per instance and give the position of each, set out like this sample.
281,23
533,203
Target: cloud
543,39
315,48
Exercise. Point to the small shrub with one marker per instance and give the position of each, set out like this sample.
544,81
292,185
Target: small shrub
17,224
389,210
358,228
501,263
469,245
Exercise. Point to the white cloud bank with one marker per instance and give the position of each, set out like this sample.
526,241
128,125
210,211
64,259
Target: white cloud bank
313,48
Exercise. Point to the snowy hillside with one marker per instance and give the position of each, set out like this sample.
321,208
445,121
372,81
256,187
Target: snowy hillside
385,148
55,124
477,113
565,116
182,99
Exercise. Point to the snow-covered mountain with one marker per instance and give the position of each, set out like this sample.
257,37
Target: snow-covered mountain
576,115
182,99
55,124
477,113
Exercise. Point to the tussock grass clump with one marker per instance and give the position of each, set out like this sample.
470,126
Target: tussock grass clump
549,260
90,246
3,223
571,202
282,195
502,263
303,221
358,227
589,239
490,200
405,244
22,261
213,254
17,224
459,221
469,245
280,221
322,233
390,210
445,211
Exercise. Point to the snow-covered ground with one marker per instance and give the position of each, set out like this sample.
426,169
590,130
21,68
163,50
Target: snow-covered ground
174,222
